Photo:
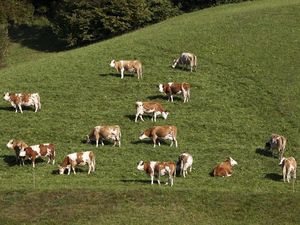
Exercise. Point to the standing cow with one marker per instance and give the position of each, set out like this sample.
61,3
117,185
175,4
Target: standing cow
26,99
105,133
185,162
157,133
186,59
289,167
277,143
173,88
133,66
78,158
17,145
153,108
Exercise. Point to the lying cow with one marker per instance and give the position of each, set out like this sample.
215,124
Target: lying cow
105,133
157,133
134,66
224,169
289,167
17,145
277,143
186,59
78,158
153,108
157,169
35,151
25,99
172,88
185,162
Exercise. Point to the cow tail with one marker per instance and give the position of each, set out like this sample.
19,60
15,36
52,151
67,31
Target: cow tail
141,71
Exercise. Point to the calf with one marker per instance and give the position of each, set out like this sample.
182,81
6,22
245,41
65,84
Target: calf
186,59
185,161
224,169
172,88
278,143
153,108
157,169
17,145
78,158
35,151
105,133
26,99
160,132
134,66
289,167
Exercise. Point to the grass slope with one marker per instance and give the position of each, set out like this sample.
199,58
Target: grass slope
247,86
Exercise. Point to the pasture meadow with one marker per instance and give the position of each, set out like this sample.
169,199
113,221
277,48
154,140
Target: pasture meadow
246,87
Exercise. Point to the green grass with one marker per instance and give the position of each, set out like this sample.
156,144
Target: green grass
247,86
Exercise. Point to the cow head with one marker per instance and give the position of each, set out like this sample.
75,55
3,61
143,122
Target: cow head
6,96
232,161
165,114
10,144
140,165
61,169
161,88
112,63
174,63
143,135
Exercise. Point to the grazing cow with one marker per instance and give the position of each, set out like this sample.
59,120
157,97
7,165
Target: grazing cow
186,59
172,88
157,169
17,145
160,132
35,151
278,143
105,133
289,167
134,66
185,161
153,108
224,169
78,158
26,99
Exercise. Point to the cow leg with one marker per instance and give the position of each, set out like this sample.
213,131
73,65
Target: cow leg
102,142
141,117
171,98
73,168
33,162
154,116
152,178
136,117
122,73
69,170
90,167
20,108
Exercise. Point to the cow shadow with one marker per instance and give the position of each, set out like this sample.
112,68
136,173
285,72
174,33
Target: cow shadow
264,152
273,176
77,170
130,117
115,75
163,97
10,160
135,181
138,142
7,108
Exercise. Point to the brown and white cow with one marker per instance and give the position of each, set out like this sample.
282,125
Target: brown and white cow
276,142
26,99
157,169
134,66
289,167
172,88
186,59
105,133
78,158
157,133
185,162
153,108
224,169
35,151
17,145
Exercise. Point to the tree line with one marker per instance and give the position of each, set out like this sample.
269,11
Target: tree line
79,22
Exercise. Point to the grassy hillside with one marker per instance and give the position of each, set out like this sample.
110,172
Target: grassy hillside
247,86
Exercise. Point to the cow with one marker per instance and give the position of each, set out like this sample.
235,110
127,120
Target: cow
35,151
157,169
17,145
173,88
25,99
289,167
157,133
134,66
186,59
224,169
105,133
276,142
78,158
153,108
185,162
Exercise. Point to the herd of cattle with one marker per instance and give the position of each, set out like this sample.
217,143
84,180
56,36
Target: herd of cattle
101,133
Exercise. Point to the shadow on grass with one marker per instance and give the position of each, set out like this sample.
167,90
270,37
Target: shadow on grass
264,152
36,37
273,176
10,108
154,97
136,181
7,108
77,170
10,160
109,74
130,117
